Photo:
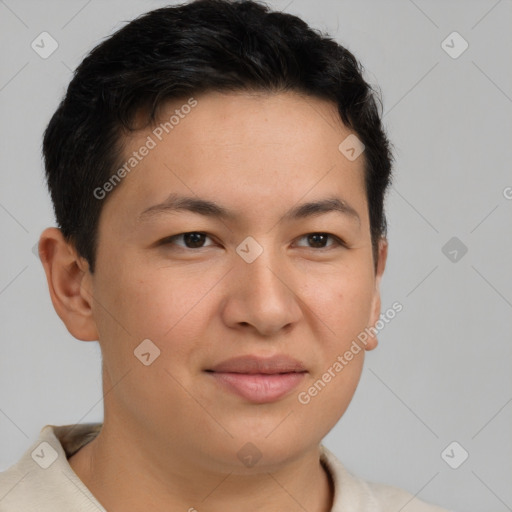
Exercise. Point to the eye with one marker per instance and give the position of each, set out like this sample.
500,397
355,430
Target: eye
196,239
192,240
319,240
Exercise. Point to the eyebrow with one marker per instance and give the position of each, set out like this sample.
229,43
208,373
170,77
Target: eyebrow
176,203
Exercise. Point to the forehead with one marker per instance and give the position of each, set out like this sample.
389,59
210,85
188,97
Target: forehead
244,150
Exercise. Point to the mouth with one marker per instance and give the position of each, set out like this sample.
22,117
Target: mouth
258,380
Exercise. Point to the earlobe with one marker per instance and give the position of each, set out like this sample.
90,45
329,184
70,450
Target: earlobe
67,284
376,301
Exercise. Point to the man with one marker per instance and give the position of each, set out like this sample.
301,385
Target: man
218,174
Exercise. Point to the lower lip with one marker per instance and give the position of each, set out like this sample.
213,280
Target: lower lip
259,388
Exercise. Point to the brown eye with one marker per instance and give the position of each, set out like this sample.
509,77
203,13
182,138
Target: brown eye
319,240
191,240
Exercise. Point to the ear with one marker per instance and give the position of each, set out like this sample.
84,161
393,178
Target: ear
376,301
69,283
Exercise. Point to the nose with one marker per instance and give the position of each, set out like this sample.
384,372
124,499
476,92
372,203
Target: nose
261,295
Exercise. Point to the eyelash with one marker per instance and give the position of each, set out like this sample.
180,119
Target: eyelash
338,241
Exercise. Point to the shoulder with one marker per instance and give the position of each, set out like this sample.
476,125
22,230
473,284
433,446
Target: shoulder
353,494
398,499
42,480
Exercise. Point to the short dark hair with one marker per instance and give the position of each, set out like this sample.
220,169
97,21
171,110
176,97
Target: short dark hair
194,48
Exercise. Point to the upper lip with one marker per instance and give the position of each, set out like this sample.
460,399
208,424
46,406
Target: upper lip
255,364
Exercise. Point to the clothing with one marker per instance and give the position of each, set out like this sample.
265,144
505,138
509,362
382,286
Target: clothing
43,481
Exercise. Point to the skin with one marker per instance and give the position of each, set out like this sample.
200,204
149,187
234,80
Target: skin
171,434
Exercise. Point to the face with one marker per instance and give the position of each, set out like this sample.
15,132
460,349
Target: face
252,273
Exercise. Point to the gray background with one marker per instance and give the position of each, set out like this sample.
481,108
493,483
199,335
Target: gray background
441,372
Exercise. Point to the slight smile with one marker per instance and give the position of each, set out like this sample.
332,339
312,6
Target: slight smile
259,380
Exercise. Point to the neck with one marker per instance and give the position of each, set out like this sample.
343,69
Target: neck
142,477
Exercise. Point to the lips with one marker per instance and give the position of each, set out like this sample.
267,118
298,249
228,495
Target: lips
255,364
259,380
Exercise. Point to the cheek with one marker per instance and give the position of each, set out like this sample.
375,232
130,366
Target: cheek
155,302
329,392
342,306
161,305
340,300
